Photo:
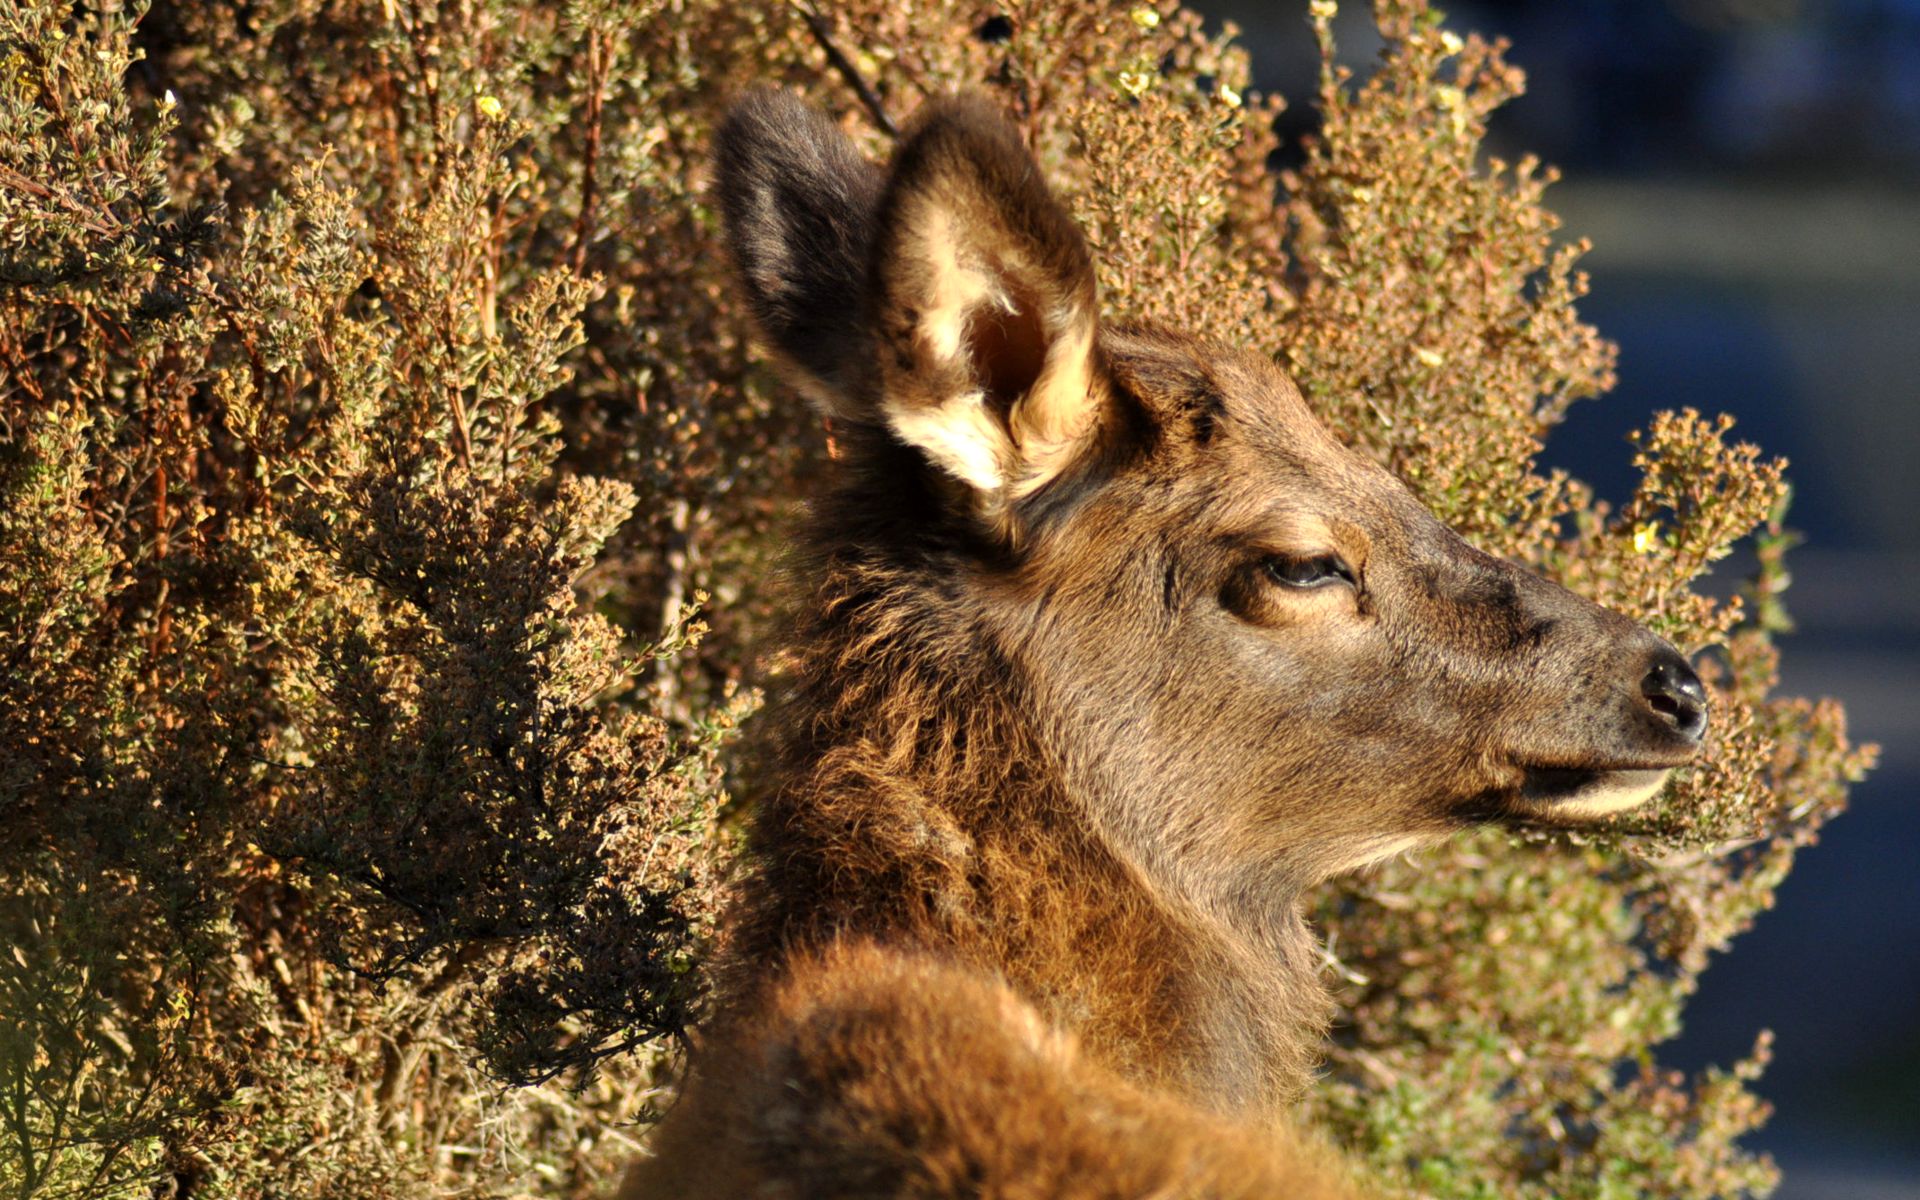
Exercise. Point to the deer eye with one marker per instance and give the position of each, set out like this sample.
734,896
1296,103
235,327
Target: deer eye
1309,571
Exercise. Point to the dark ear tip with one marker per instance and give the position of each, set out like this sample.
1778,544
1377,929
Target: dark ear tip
783,169
796,204
960,108
764,127
966,147
967,123
762,113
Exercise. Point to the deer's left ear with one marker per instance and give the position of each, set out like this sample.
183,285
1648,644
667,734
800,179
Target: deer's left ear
983,302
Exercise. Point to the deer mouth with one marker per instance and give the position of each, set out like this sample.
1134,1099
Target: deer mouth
1582,793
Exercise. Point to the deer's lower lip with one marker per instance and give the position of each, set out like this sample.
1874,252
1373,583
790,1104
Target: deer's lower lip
1581,792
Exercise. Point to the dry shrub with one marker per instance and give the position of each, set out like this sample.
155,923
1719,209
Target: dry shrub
387,501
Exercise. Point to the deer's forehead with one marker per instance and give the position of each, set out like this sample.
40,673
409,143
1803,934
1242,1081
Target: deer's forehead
1202,392
1236,438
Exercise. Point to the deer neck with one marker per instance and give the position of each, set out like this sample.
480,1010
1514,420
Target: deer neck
916,807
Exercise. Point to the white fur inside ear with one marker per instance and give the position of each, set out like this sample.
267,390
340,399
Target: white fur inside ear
1035,439
959,434
954,288
1050,422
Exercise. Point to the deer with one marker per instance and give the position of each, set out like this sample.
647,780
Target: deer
1109,651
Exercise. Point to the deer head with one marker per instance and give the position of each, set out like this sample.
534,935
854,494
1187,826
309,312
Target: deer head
1254,657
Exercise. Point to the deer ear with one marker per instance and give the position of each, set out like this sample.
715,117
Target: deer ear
983,304
797,202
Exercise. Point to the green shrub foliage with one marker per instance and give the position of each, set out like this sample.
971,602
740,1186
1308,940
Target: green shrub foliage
388,502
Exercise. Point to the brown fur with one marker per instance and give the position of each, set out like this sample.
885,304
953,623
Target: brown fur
1112,652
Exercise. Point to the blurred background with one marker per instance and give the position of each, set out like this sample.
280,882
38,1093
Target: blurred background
1749,172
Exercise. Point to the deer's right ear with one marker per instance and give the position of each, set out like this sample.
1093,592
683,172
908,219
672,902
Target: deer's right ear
798,204
985,308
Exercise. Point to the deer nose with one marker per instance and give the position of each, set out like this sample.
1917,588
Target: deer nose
1676,694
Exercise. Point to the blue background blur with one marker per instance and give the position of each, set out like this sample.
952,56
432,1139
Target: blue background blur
1749,171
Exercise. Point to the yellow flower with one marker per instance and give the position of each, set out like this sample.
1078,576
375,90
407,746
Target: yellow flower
1432,358
1135,83
1646,535
1229,97
489,107
1450,41
1145,18
1454,101
1323,10
168,101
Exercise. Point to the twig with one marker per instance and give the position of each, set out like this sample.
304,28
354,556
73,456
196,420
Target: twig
426,64
85,217
822,30
599,55
463,443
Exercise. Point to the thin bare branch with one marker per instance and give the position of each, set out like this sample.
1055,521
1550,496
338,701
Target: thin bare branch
822,29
